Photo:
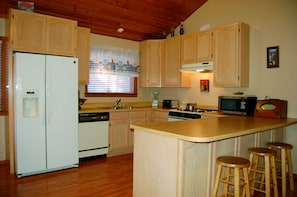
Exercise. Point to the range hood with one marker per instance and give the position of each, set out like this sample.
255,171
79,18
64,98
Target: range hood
197,67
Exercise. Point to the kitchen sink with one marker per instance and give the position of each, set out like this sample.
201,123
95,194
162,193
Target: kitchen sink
119,108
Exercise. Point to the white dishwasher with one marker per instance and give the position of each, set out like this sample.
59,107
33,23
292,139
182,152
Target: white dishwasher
93,134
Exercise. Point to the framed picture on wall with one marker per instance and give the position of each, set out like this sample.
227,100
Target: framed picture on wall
273,57
204,85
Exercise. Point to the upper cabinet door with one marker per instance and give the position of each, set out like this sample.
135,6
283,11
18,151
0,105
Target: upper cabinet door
160,64
38,33
188,48
204,46
170,73
27,31
151,61
61,36
196,47
171,76
231,56
83,54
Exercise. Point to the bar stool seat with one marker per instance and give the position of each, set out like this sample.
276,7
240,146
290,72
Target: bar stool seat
284,158
262,170
234,167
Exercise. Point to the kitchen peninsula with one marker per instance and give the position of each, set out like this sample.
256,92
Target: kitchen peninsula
179,158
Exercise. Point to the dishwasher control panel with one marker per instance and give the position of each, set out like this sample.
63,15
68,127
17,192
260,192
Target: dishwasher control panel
93,117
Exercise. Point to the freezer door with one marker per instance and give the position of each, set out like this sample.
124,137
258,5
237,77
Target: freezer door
61,111
29,107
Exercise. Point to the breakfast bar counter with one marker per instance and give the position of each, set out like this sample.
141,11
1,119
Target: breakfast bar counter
179,158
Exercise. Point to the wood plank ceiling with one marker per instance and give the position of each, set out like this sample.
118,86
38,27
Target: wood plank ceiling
141,19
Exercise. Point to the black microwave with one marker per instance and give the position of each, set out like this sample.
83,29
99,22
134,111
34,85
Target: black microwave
237,105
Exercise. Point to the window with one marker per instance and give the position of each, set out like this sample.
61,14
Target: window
113,72
3,75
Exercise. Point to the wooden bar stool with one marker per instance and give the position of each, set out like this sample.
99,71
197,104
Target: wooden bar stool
285,160
236,174
262,170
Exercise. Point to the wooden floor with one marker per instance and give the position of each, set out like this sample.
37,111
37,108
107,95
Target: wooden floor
108,177
99,177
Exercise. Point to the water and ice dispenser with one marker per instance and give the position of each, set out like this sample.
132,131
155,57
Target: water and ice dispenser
30,103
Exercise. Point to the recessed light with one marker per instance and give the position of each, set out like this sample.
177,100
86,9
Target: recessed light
120,30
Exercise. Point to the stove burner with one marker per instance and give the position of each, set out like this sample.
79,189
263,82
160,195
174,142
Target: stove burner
196,111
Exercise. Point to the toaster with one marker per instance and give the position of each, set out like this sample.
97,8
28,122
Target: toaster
170,104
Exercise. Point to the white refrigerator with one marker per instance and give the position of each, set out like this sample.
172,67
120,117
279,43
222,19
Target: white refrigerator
45,113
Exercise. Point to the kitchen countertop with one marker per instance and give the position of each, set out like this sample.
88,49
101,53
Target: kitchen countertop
109,109
212,128
129,106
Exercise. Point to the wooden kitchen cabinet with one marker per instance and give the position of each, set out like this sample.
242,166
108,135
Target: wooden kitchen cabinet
171,76
159,116
38,33
83,54
151,61
231,56
160,64
136,117
188,48
197,47
27,31
61,36
121,135
119,129
204,52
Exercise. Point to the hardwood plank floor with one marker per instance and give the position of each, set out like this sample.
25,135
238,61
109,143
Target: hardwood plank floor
108,177
98,177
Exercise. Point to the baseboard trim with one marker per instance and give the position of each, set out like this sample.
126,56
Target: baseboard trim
4,162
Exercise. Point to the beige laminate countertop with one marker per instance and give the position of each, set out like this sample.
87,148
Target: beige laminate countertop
209,129
99,109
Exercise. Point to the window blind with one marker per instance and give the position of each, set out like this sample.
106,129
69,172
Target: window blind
104,83
112,71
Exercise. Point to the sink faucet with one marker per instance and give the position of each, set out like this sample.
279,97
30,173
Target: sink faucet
117,103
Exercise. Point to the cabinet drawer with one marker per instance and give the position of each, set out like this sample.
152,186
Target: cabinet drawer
119,115
138,115
160,114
